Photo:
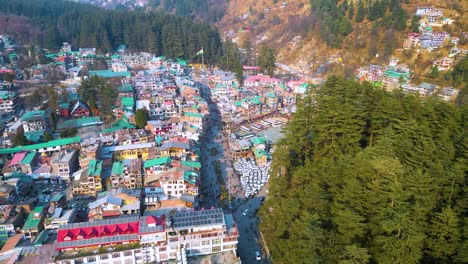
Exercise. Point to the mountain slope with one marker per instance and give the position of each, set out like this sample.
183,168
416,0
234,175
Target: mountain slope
294,28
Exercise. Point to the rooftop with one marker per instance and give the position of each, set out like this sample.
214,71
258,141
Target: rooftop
186,219
110,73
157,161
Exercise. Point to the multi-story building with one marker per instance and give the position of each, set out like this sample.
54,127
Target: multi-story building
175,182
90,182
8,101
127,174
34,121
64,163
148,239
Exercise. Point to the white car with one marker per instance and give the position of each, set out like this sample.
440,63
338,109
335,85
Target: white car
257,255
245,212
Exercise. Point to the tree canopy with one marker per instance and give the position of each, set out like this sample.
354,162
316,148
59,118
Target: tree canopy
369,176
89,26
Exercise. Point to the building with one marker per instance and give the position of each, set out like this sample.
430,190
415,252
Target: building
8,101
80,110
127,173
60,217
89,181
35,121
175,182
34,223
148,239
64,164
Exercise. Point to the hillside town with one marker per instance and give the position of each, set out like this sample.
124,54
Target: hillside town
138,158
77,188
431,38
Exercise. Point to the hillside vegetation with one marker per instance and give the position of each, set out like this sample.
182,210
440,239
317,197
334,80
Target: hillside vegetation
54,22
368,176
209,11
308,34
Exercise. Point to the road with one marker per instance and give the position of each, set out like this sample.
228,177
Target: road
212,151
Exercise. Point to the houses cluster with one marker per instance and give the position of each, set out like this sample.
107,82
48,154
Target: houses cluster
389,77
114,192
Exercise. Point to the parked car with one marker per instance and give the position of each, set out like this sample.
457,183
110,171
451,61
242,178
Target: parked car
257,255
245,212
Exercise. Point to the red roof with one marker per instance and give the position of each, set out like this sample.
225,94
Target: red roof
155,220
97,231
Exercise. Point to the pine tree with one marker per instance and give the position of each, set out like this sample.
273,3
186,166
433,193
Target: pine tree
361,12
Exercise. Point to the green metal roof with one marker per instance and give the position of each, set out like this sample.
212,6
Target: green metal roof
271,95
128,102
49,144
117,168
80,122
193,164
119,125
182,62
34,136
29,158
63,106
256,100
109,73
95,168
31,222
57,197
41,238
191,177
126,88
258,141
260,153
192,114
32,115
157,161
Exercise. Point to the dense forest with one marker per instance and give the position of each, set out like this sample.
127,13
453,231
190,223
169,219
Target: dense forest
369,176
209,11
88,26
334,17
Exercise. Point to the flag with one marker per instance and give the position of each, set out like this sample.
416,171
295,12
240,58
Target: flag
200,52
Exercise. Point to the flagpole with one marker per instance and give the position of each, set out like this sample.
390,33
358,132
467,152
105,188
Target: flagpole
203,60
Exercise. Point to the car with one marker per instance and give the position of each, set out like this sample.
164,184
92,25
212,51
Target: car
257,255
245,212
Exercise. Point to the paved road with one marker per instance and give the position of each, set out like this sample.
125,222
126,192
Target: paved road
247,225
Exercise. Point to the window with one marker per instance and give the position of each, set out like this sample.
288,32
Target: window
205,242
216,241
91,259
115,255
217,249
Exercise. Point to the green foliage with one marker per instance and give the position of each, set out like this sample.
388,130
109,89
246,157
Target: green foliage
141,116
7,77
70,132
48,136
351,11
361,12
88,26
232,60
460,72
20,140
267,59
415,24
434,72
364,175
98,94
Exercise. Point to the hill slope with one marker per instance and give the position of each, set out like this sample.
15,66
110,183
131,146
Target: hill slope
294,28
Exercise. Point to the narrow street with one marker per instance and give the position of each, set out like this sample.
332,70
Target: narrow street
212,151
